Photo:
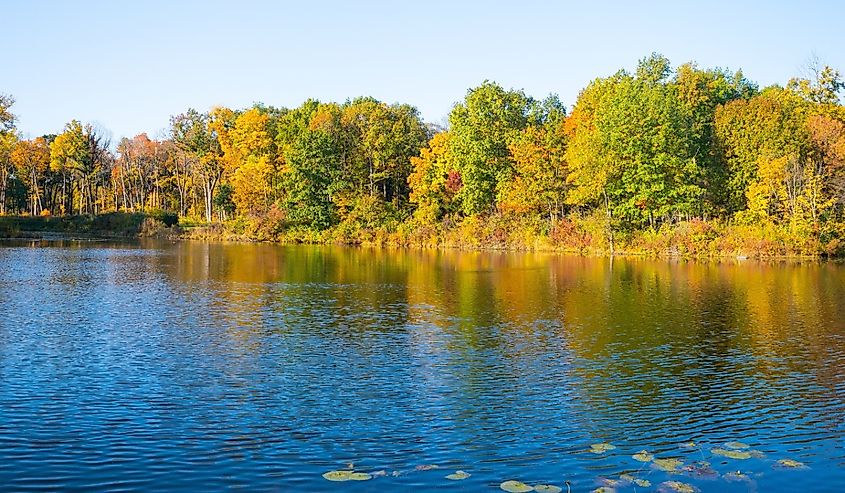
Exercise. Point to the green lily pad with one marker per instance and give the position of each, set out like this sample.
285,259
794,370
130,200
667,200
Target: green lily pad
513,486
642,483
547,488
600,448
678,486
603,489
731,454
458,475
668,465
338,475
360,476
737,445
643,456
612,483
790,464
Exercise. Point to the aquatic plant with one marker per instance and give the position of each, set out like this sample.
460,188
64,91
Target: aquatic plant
678,487
736,476
668,465
737,445
643,483
600,448
513,486
731,454
643,456
458,475
790,464
547,488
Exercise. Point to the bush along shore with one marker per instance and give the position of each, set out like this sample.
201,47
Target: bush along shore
577,235
656,160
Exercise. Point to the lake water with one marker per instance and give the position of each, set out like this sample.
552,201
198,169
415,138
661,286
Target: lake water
207,367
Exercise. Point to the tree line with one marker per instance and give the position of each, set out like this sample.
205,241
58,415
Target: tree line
639,151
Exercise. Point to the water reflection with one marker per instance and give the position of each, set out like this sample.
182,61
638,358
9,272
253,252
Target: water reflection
184,365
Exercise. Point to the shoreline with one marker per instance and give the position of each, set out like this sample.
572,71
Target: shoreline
176,234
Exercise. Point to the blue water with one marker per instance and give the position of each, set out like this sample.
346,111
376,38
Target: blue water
206,367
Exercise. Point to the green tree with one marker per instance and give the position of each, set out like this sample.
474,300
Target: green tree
631,150
483,127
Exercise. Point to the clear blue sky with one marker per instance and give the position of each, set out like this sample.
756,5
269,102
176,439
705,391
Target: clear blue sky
128,66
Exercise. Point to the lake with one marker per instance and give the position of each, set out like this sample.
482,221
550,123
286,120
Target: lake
158,366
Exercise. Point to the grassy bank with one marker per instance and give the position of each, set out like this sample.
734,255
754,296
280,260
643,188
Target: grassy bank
580,235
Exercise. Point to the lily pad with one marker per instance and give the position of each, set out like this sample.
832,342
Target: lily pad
737,445
513,486
700,469
643,456
547,488
731,454
678,486
642,483
338,475
458,475
612,483
600,448
627,478
790,464
360,476
427,467
736,476
603,489
668,465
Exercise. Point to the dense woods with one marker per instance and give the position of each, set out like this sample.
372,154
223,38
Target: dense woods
684,160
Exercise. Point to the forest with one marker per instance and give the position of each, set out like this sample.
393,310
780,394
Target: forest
659,160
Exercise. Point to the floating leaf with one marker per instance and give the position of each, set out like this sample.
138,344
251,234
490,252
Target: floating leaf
338,475
360,476
547,488
613,483
700,469
668,465
515,487
458,475
600,448
603,489
736,476
427,467
678,486
790,464
731,454
737,445
626,477
643,483
643,456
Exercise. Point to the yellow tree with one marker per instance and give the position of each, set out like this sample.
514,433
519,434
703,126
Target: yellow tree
252,180
434,182
31,159
538,181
